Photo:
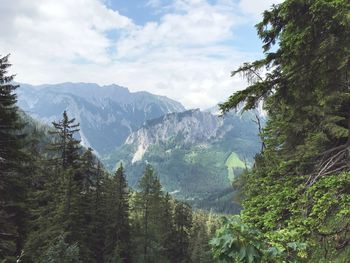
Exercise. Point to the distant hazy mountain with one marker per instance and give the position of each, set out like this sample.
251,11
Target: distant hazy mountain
107,114
196,154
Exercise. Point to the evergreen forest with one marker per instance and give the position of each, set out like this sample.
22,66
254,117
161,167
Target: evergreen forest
59,204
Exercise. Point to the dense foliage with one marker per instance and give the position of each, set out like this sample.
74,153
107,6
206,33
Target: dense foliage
12,176
58,204
299,189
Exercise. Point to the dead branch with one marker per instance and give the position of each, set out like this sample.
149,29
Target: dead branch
257,121
332,163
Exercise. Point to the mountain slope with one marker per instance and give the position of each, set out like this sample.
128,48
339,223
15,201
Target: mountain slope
107,114
196,154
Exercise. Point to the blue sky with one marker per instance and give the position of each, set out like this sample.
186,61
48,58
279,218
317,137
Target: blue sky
183,49
143,12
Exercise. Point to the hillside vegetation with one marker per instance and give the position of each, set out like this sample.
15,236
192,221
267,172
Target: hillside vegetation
296,198
58,203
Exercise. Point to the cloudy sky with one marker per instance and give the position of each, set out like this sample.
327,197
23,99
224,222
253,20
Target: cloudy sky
184,49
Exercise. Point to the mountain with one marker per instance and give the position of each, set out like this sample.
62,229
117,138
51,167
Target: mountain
196,154
107,114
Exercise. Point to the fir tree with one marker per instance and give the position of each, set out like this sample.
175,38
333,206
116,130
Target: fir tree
203,229
67,147
149,205
183,224
68,204
12,179
167,228
117,244
99,219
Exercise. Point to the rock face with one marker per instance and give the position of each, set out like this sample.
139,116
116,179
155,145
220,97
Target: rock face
195,153
188,127
107,114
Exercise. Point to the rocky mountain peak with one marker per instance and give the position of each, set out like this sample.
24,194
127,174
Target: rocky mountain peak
107,114
188,127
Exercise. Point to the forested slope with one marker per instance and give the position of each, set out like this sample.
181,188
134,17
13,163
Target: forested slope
58,204
296,204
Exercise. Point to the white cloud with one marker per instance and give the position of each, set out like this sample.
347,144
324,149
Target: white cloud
257,7
195,23
62,30
187,55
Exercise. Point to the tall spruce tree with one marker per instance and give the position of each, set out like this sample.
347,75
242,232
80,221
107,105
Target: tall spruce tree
66,146
203,229
13,181
67,150
149,205
117,246
183,224
41,200
299,188
100,209
66,186
167,229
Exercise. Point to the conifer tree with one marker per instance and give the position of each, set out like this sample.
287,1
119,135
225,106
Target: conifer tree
82,209
41,200
183,224
203,229
67,150
12,179
100,208
149,205
66,146
67,200
201,251
117,246
298,189
87,175
167,229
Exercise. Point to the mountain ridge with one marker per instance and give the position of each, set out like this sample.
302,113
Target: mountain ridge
193,125
107,114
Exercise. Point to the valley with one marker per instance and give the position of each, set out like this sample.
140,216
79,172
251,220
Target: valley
196,154
243,156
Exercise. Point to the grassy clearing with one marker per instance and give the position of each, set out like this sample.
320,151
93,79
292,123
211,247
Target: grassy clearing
233,162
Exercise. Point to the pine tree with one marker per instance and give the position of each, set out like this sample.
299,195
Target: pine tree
41,200
86,177
203,229
100,210
67,150
149,205
117,245
167,229
66,204
201,251
67,147
12,179
183,224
